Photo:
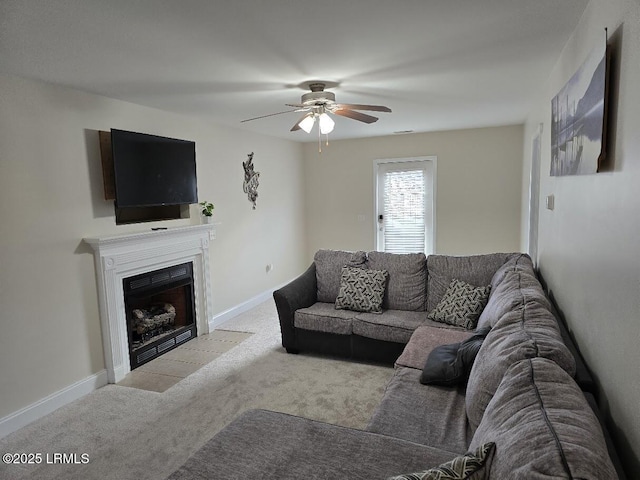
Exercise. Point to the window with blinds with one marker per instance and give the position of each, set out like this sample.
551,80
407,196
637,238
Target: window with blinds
405,194
404,205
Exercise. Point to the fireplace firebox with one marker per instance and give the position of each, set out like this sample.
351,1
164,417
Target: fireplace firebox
160,312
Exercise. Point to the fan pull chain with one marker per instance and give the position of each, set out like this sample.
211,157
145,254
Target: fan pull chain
320,140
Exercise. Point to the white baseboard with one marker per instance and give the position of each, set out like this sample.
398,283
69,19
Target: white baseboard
39,409
42,407
227,315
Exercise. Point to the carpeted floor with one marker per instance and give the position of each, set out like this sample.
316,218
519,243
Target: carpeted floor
128,433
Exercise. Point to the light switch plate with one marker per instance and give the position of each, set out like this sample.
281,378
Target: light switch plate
550,202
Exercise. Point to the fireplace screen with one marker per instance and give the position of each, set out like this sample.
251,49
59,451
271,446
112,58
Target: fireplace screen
160,311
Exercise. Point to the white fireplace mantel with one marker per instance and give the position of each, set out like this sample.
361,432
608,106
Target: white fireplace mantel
121,256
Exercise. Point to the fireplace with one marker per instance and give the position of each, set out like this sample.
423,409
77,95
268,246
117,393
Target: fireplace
125,258
160,312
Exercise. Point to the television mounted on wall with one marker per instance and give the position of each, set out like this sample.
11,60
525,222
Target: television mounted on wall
153,171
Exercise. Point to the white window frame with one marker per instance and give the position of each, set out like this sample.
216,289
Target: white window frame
430,164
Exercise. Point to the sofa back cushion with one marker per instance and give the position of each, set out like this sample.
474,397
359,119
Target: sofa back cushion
543,427
515,288
329,265
407,284
477,270
518,262
527,332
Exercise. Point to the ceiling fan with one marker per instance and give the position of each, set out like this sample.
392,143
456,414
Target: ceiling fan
318,104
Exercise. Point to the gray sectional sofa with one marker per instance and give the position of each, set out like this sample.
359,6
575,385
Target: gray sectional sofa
310,323
521,394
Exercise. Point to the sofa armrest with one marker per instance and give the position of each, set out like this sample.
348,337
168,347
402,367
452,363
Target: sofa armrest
300,293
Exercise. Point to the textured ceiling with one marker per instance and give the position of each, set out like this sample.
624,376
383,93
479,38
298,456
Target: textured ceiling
438,64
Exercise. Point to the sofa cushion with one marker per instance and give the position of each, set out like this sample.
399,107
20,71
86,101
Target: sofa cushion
323,317
517,262
430,415
423,340
543,427
271,445
470,466
461,304
329,265
474,269
527,332
450,364
361,289
512,291
407,287
392,326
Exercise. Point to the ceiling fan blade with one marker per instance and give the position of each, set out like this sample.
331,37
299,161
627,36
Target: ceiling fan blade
297,127
270,115
297,105
374,108
362,117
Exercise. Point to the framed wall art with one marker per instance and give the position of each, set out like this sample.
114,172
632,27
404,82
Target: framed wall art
578,118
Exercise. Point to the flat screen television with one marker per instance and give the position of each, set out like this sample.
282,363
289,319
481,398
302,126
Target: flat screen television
152,171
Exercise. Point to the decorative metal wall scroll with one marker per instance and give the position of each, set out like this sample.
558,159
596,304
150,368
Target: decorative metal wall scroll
250,185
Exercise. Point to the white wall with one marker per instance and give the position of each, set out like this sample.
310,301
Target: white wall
51,197
589,252
478,189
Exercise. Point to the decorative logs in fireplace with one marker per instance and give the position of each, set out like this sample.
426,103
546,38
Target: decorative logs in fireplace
152,321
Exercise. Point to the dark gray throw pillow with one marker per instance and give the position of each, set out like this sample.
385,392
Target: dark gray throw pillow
449,365
441,367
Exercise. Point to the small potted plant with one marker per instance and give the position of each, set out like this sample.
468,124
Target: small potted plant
207,211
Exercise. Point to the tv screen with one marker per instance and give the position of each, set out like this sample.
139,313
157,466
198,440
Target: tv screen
153,171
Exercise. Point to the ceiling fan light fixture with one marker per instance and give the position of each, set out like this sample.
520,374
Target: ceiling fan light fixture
326,124
307,123
318,104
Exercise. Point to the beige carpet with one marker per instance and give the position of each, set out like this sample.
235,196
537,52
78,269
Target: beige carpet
128,433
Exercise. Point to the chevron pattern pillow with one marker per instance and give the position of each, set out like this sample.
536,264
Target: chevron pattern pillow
470,466
361,290
461,305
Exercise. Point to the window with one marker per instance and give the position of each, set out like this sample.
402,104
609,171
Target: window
405,198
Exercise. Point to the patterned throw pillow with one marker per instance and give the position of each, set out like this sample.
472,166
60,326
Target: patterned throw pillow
470,466
361,289
461,305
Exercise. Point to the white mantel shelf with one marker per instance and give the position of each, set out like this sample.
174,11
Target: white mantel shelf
117,257
128,238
